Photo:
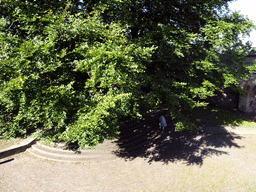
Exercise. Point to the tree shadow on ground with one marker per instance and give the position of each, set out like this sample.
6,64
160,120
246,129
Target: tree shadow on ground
144,139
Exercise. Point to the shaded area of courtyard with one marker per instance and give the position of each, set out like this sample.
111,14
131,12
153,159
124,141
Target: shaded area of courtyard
144,139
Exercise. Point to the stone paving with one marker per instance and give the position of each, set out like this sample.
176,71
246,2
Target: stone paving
210,162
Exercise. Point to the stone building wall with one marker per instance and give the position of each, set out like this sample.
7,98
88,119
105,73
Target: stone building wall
227,99
249,59
231,100
247,101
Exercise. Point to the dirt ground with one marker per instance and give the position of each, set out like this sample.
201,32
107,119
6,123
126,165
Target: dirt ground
202,163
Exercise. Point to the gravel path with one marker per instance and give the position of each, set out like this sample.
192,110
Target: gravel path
201,163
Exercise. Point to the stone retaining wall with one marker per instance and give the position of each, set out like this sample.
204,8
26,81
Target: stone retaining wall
226,99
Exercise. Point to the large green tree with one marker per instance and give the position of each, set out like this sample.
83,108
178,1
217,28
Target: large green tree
75,66
199,49
70,72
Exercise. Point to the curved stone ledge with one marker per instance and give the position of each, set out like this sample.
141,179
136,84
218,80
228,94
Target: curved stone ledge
17,148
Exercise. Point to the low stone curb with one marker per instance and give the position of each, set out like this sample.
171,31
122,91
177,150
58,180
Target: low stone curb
17,148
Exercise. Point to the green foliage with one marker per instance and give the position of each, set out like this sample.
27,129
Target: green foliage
199,49
76,67
76,77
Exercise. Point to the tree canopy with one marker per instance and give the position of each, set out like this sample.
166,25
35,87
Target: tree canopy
75,67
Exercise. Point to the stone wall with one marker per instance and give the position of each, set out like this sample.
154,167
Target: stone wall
226,99
249,59
247,101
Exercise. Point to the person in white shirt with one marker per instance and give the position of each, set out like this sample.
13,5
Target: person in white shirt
162,122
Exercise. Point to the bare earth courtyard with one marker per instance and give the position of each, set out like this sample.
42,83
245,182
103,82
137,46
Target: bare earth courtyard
202,163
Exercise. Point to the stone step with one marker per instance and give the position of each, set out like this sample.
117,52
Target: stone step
68,159
70,156
106,145
138,136
55,150
102,152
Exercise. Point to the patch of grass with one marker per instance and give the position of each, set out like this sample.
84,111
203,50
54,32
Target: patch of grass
219,116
